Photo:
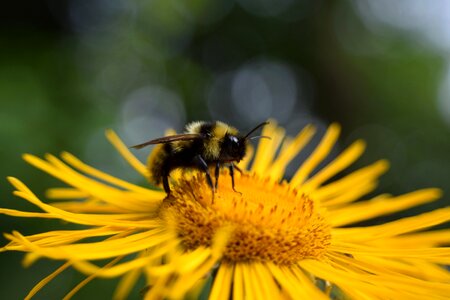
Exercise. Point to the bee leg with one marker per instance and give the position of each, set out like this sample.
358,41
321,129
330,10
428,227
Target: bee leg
204,167
231,168
237,168
166,184
216,173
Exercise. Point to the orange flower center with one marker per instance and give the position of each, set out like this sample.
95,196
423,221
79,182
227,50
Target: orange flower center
271,221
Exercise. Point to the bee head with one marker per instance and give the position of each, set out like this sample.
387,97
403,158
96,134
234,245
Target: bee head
233,148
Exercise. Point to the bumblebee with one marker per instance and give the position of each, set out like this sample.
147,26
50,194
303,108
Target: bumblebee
201,146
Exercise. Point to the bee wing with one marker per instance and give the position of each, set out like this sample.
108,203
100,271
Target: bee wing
169,139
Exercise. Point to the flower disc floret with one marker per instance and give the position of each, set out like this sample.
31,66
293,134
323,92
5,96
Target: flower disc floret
283,228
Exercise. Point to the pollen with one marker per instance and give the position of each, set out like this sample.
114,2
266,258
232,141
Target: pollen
271,221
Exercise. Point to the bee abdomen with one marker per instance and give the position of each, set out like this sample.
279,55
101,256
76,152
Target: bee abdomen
158,163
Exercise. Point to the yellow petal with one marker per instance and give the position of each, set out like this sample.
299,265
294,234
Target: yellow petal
414,268
86,219
89,279
128,281
187,281
313,291
361,177
250,288
425,239
88,206
120,269
133,197
238,283
46,280
61,237
243,164
66,193
126,154
267,148
222,283
287,283
18,213
324,148
276,170
96,250
98,190
267,283
437,255
373,208
346,158
390,229
360,284
69,158
386,277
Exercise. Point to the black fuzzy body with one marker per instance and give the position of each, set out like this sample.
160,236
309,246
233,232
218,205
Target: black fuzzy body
170,158
203,145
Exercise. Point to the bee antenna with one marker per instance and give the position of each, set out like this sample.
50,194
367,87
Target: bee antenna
256,128
260,137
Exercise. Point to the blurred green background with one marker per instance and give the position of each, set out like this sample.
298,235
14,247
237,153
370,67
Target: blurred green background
71,69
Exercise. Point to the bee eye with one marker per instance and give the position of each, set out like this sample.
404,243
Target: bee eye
233,148
231,143
234,140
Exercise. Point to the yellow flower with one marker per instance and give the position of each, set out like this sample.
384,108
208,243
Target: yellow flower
274,239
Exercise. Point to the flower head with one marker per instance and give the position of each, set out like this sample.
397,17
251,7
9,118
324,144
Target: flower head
271,239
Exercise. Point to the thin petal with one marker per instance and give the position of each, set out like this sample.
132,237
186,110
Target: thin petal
139,198
266,281
98,190
356,192
175,283
346,158
128,281
123,268
391,229
89,279
222,283
193,260
75,162
46,280
243,164
125,153
188,281
66,193
374,208
437,255
420,270
285,280
88,206
26,214
267,148
346,184
185,270
238,283
190,275
62,237
251,285
278,167
317,156
389,278
432,271
313,291
96,250
358,283
425,239
87,219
